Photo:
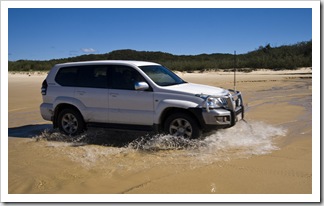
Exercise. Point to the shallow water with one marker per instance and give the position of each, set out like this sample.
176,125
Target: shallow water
99,146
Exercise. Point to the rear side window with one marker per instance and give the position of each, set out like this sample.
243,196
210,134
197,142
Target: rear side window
83,76
67,76
92,76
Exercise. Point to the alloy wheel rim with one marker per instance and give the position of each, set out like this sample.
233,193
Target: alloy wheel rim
181,127
69,123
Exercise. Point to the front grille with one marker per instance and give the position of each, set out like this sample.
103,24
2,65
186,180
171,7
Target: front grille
238,102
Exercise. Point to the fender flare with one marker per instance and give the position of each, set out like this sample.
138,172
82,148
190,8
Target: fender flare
171,103
69,101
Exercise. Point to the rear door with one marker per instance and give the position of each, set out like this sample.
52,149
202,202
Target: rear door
92,90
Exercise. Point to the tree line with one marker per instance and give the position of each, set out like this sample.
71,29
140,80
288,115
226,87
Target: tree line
267,57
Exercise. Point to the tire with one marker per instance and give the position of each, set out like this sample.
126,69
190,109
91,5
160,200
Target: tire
70,122
182,125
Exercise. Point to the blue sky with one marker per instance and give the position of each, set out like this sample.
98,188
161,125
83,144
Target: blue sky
43,34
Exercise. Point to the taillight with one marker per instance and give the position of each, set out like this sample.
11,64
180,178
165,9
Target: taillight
44,87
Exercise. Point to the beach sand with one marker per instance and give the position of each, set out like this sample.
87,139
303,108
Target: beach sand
268,153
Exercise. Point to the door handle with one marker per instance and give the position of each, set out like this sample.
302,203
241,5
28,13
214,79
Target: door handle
114,94
81,92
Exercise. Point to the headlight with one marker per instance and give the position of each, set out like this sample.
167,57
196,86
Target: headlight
213,102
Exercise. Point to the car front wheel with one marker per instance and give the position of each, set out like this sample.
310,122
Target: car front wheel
182,125
70,122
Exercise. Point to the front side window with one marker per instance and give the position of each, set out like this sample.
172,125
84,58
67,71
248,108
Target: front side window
161,75
124,77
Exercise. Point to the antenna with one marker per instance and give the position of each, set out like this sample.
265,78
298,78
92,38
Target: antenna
234,70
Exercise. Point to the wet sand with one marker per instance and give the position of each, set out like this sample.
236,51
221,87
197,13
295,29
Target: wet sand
270,153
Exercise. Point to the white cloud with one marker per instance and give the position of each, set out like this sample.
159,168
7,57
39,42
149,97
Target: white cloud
88,50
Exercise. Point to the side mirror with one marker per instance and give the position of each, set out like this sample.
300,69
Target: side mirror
141,86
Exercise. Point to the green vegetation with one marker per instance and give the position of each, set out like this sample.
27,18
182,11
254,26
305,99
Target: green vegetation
275,58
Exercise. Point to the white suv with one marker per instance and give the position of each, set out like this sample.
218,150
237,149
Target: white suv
134,95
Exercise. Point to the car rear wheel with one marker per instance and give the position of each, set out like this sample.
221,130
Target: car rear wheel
70,122
182,125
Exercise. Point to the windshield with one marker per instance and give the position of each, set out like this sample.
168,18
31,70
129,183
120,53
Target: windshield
161,75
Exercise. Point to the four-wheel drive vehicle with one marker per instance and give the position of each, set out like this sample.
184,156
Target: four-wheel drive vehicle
134,95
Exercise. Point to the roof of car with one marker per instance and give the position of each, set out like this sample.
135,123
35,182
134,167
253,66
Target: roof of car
122,62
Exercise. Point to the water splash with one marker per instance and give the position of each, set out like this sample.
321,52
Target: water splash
256,137
164,142
241,141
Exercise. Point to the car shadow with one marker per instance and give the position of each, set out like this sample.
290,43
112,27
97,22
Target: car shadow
96,136
28,131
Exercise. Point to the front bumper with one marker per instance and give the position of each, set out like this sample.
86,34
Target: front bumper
222,118
225,117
